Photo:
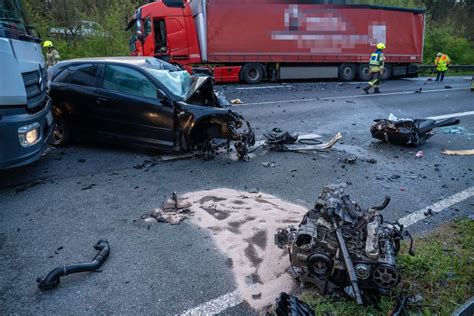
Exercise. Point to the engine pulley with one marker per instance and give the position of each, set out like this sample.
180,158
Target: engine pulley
385,276
320,265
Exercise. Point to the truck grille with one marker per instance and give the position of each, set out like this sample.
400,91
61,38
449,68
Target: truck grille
35,88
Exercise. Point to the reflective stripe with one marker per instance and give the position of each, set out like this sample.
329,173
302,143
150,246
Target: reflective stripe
374,59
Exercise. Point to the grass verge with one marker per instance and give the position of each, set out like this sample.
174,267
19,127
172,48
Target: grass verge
442,272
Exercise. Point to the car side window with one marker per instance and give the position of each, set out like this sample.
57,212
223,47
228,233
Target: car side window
128,81
147,26
84,76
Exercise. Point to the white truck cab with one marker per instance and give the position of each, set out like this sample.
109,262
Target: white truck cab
25,110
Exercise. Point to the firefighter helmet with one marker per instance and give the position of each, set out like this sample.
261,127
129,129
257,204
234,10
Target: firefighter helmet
48,44
380,46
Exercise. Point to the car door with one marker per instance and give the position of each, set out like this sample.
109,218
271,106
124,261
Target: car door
73,93
127,108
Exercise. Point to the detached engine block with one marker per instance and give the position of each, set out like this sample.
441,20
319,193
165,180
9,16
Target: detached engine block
339,243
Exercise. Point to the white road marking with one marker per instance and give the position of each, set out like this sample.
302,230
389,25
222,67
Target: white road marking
232,299
216,305
438,207
441,117
353,96
265,87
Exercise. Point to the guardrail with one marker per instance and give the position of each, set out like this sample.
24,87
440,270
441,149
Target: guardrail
453,67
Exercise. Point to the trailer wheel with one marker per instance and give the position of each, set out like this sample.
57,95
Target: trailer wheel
347,72
252,73
387,72
364,72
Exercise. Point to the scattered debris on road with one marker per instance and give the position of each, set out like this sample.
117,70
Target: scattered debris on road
282,140
52,279
407,131
467,152
353,249
236,101
173,211
419,154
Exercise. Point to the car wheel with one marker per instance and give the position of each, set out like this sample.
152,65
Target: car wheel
386,72
364,72
252,73
61,132
347,72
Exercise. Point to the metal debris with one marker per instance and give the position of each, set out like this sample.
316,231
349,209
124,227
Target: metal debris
407,131
338,246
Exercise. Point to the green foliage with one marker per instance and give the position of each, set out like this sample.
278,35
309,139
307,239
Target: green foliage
447,39
442,271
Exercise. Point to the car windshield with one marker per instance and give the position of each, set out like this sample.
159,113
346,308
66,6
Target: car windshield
177,82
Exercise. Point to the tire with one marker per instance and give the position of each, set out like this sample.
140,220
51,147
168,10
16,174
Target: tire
386,73
364,72
252,73
61,132
347,72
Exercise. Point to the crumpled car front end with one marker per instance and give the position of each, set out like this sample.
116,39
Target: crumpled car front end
206,130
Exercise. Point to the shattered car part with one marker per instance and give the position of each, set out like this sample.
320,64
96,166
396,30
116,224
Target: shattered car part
407,132
174,211
282,140
339,244
52,279
288,305
143,102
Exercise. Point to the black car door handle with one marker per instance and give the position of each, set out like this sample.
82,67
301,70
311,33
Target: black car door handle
101,100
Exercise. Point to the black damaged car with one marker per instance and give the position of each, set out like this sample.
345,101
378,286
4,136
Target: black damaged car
144,102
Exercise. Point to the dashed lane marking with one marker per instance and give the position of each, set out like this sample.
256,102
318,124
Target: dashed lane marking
441,117
351,96
264,87
216,305
438,207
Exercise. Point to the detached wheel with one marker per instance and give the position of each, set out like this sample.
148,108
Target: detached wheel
347,72
364,72
61,132
386,72
252,73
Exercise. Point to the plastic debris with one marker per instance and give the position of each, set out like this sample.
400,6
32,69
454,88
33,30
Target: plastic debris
236,101
419,154
467,152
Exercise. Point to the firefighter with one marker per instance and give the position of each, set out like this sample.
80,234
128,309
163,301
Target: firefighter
442,61
376,67
52,55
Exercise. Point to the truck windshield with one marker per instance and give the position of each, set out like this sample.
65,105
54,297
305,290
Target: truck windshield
178,82
13,21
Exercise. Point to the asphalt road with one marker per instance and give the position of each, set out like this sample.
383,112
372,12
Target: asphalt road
53,211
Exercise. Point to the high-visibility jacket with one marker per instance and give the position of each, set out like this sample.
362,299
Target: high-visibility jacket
442,62
376,61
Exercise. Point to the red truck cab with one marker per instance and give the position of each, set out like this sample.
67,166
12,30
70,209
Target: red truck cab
165,29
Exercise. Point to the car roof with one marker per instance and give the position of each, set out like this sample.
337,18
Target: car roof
138,60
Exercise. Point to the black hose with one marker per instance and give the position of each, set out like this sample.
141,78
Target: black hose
52,279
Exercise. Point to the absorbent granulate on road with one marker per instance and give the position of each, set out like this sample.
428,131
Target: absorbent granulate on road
243,225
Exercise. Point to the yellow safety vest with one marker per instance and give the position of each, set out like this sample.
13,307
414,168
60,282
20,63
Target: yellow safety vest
376,61
442,63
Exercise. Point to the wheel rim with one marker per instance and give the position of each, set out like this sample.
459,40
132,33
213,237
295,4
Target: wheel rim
347,72
253,74
58,131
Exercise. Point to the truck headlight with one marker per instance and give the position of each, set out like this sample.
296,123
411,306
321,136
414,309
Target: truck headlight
29,134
